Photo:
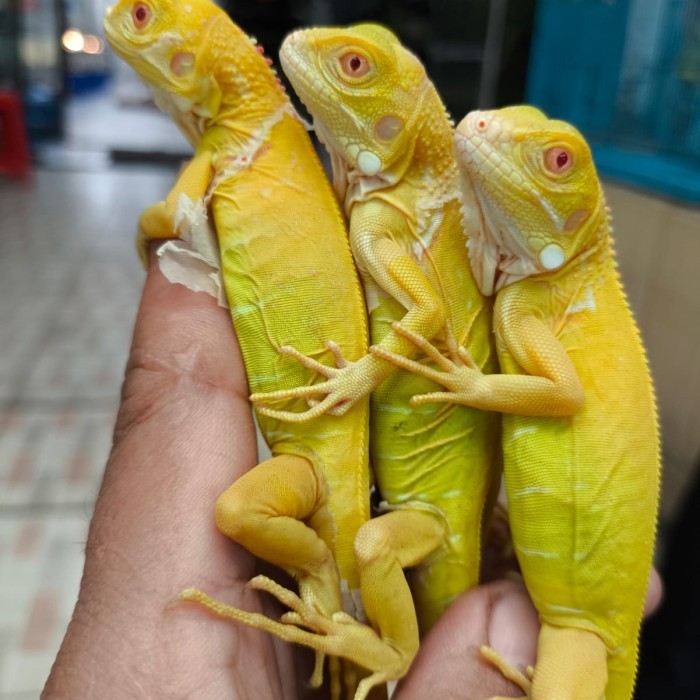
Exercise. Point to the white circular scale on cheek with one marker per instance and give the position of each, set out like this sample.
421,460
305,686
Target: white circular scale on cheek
552,256
369,163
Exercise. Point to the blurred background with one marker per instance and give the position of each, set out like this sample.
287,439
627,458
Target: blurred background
83,151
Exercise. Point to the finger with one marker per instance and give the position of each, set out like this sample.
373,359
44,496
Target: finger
342,408
449,663
340,361
183,404
466,357
184,432
654,593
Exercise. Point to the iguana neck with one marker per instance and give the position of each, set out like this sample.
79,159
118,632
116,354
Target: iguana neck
429,154
250,91
433,150
427,160
597,253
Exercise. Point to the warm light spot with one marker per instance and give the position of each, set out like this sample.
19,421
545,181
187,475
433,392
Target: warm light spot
92,44
73,40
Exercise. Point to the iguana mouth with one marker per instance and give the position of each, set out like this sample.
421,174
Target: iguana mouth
293,64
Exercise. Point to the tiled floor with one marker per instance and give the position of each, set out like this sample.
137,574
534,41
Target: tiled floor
69,288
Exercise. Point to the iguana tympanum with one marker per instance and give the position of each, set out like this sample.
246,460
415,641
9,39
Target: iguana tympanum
290,279
580,438
390,142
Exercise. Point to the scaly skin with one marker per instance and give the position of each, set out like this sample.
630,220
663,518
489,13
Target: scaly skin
391,146
289,277
583,482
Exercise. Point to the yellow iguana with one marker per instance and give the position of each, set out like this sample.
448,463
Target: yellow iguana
582,483
290,279
390,142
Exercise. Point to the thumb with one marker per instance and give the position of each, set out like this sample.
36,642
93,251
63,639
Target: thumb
449,663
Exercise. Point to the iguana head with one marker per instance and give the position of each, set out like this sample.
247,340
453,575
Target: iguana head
199,63
164,41
534,184
363,89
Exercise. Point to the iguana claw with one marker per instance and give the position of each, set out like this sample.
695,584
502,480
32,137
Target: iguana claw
458,377
513,674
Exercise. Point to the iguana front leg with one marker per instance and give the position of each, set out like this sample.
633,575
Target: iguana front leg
157,222
385,264
551,386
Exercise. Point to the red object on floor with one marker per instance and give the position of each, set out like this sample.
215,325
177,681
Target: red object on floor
14,145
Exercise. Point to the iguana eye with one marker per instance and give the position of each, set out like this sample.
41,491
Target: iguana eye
354,65
558,160
141,14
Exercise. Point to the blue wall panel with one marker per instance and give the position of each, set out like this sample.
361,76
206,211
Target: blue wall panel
627,73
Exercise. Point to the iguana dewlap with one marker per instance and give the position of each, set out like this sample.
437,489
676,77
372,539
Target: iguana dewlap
583,483
390,141
290,279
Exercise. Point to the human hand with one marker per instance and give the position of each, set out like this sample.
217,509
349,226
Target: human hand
184,433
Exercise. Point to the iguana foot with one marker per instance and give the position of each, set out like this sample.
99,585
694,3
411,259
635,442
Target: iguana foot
279,629
341,674
510,672
346,384
337,635
458,376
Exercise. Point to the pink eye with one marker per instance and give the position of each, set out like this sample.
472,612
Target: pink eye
558,160
141,14
354,65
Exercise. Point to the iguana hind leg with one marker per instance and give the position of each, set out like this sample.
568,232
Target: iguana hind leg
278,512
571,665
383,547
